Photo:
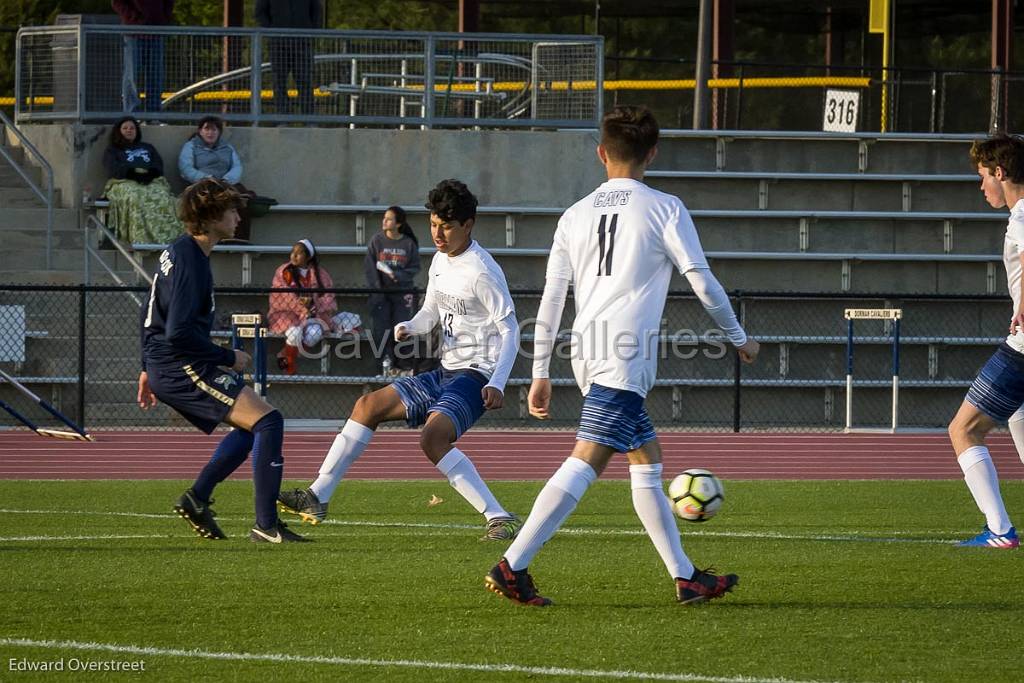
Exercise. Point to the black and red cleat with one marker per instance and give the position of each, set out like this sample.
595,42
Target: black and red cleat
517,586
704,586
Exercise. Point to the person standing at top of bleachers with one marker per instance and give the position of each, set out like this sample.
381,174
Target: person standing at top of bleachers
997,393
391,263
144,54
207,155
291,55
303,317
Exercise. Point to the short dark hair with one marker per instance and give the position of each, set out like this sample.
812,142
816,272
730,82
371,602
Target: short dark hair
628,133
452,200
209,118
1006,151
207,201
117,140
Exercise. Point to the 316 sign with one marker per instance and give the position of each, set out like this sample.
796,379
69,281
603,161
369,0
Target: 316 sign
841,111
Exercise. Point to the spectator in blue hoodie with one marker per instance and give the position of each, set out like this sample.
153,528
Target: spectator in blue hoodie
207,155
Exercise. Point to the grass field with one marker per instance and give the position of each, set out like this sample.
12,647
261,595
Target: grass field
840,581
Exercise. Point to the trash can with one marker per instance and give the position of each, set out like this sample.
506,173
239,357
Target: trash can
104,55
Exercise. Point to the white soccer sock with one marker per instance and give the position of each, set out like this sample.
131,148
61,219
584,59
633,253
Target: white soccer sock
348,445
464,478
554,504
1016,425
653,509
983,483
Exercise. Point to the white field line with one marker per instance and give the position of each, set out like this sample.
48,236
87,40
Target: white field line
385,663
896,537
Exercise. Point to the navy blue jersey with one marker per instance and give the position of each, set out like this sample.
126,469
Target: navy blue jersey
176,321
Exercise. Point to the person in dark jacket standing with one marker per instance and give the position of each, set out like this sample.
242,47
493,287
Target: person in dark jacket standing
147,51
291,55
391,263
184,369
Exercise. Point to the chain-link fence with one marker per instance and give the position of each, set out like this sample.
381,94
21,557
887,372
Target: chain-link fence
78,348
97,72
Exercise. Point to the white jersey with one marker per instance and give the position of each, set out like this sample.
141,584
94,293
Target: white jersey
467,294
618,245
1013,246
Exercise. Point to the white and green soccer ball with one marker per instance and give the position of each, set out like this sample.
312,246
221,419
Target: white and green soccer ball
696,495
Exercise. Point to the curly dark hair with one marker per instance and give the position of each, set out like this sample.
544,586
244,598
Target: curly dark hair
628,133
205,202
1006,151
117,140
452,200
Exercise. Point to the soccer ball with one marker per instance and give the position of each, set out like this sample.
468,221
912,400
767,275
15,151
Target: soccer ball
696,495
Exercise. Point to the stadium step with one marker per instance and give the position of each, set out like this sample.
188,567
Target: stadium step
689,152
22,218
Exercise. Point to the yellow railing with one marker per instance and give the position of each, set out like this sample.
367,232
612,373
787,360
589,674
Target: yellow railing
506,86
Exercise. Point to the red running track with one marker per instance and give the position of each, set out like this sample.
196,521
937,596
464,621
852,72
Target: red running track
506,455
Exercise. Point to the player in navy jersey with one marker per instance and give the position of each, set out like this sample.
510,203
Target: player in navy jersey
183,368
618,246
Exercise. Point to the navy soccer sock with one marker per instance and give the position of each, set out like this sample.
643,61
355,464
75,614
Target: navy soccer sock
267,467
231,452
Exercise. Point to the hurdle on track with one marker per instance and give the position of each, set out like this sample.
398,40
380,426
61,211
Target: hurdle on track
895,315
250,326
78,434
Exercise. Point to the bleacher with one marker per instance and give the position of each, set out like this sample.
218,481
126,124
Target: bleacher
895,216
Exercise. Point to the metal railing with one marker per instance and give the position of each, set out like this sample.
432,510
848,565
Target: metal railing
786,96
97,72
45,195
92,223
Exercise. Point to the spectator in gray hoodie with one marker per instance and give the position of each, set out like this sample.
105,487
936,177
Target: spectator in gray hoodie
391,263
207,155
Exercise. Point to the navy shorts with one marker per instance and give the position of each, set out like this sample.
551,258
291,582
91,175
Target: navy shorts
615,418
998,390
455,393
202,393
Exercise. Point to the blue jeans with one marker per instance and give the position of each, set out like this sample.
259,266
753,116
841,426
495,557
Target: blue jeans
148,53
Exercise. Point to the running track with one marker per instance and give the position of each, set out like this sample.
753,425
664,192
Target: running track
507,455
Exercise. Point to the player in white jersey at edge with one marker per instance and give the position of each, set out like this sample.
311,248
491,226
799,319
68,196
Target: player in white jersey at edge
467,295
617,247
997,393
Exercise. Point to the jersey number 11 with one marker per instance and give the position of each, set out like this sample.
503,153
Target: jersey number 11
605,230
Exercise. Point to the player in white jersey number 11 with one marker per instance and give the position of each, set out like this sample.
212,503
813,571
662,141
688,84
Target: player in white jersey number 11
618,247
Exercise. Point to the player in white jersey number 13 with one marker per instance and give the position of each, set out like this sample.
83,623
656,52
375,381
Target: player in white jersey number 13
618,246
468,297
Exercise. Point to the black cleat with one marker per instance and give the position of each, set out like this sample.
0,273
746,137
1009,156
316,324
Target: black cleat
704,586
279,534
199,515
304,503
517,586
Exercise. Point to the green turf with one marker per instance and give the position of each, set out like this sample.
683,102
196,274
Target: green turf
819,600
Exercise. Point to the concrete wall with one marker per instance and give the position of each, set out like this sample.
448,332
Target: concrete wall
343,166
